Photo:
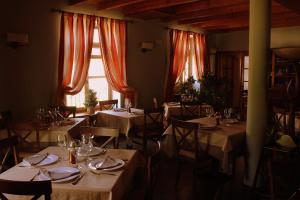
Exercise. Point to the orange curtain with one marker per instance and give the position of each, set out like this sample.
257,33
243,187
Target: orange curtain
112,40
178,55
76,42
200,54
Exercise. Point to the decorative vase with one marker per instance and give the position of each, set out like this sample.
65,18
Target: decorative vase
91,110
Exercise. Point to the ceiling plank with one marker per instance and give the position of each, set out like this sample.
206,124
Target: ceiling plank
74,2
116,4
152,5
222,13
208,4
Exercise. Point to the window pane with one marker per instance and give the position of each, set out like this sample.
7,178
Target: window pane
76,100
96,36
100,86
95,51
246,61
246,74
96,67
117,95
245,85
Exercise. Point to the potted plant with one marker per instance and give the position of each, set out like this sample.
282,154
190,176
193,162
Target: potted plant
90,101
215,91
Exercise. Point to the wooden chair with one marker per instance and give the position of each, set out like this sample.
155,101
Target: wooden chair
108,104
189,110
186,138
153,164
8,145
29,188
112,133
67,111
153,127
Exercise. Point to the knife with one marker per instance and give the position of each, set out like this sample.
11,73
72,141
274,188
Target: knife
99,164
78,179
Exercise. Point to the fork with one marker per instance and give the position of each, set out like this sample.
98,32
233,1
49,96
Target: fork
37,174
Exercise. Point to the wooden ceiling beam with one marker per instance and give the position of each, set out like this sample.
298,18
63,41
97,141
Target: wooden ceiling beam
208,4
105,5
152,5
293,5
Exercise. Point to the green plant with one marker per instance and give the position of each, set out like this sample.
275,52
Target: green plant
90,98
215,91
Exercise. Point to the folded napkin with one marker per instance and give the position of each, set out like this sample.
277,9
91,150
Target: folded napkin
36,159
61,175
107,163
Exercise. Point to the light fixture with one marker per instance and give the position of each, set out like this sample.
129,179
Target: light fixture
147,46
17,39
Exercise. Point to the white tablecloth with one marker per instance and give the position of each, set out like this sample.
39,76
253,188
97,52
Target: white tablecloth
120,119
91,186
222,140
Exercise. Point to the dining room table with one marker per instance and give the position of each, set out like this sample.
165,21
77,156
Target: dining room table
32,133
120,118
92,183
223,141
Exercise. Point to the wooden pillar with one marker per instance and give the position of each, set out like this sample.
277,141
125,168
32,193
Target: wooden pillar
259,44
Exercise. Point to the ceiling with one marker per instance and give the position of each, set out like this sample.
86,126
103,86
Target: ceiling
210,15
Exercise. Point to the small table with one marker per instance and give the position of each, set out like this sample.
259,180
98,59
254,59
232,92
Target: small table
91,186
222,141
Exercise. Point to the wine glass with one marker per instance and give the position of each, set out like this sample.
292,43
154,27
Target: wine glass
62,142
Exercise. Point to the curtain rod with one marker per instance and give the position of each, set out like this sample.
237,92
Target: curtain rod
61,11
180,30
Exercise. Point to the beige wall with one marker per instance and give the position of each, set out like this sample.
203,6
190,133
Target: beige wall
239,40
28,74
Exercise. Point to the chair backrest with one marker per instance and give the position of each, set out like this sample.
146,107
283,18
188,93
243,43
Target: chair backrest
153,119
186,136
36,188
66,111
190,110
108,104
112,133
8,145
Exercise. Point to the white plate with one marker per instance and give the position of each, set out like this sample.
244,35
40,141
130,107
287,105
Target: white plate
94,152
51,158
65,170
231,121
208,126
94,162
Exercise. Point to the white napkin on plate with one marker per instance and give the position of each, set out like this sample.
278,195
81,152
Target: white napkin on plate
107,163
35,159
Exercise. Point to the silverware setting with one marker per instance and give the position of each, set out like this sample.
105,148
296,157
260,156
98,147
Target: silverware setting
78,178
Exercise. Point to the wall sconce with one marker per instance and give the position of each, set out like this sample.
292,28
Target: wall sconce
146,46
17,39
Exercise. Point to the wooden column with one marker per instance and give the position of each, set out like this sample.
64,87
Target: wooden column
259,45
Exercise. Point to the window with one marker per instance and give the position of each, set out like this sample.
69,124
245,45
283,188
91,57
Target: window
190,65
96,79
246,73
